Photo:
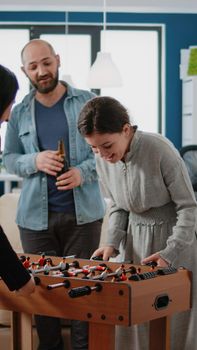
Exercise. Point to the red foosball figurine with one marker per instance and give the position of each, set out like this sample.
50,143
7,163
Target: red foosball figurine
26,263
42,260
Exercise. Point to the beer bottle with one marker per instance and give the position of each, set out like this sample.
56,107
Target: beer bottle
62,153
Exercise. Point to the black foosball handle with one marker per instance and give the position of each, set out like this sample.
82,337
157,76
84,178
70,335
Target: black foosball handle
98,257
79,291
167,270
85,290
148,275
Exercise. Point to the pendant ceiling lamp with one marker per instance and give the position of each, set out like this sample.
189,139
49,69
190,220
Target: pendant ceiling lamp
104,73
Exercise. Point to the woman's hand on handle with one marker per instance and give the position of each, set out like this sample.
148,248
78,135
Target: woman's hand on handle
106,252
157,258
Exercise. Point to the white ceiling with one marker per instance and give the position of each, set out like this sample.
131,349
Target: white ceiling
174,6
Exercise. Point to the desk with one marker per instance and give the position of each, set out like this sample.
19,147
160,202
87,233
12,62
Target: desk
8,179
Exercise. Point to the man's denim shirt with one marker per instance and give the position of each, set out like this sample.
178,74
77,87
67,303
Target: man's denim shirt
21,149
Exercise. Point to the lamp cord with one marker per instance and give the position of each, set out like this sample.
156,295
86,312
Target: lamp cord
104,15
66,23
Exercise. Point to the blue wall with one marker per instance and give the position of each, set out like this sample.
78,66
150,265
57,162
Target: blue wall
181,32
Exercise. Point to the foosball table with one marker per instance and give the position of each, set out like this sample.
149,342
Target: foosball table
104,294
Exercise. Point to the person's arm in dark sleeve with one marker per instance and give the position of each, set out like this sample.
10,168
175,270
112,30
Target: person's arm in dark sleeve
12,271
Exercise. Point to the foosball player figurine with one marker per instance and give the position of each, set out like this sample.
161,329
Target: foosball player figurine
63,264
22,258
47,266
26,263
75,264
133,270
33,267
42,260
123,277
139,270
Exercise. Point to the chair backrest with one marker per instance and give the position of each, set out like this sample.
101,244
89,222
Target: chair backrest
189,155
8,207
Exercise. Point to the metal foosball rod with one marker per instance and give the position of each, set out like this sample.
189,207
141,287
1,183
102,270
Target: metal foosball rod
65,284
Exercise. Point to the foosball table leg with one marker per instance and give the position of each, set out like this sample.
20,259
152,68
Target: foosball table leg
101,336
21,328
160,334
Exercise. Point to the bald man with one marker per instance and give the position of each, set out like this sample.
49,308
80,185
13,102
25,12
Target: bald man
62,214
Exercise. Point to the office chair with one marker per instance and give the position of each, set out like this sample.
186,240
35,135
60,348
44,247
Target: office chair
189,155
